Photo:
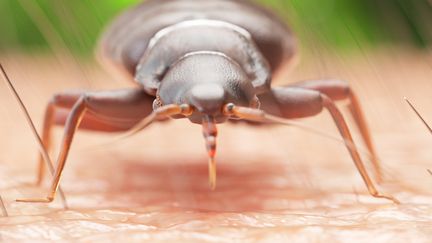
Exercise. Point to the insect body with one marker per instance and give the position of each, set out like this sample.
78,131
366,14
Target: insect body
208,61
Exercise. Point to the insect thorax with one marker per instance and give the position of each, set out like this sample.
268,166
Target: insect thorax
179,41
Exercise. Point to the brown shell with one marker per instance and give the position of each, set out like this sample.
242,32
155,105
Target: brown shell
126,40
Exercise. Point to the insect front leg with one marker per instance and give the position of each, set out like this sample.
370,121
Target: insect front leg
107,111
340,90
293,102
112,111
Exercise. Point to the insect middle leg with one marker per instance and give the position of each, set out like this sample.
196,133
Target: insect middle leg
338,90
107,111
294,102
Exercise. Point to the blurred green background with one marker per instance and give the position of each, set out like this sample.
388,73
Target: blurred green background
338,24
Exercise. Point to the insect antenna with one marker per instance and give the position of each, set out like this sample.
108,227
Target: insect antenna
418,114
161,112
3,208
261,116
210,134
42,148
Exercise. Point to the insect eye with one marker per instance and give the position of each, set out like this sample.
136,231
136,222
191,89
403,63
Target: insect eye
186,109
228,109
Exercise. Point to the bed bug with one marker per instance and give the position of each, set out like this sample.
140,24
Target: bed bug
208,61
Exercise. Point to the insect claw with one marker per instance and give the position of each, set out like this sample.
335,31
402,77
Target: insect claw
36,200
393,199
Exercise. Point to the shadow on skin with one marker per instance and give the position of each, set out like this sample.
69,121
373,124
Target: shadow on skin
256,186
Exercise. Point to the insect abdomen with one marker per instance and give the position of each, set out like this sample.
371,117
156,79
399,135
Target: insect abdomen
128,37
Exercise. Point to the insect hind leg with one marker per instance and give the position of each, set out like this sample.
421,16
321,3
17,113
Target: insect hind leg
295,102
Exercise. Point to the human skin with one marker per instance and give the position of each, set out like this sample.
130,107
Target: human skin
274,184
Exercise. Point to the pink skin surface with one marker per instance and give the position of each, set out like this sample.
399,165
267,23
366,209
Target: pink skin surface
274,184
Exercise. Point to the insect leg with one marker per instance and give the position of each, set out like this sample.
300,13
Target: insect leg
292,102
113,111
340,90
56,113
97,111
46,139
71,126
344,130
42,149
